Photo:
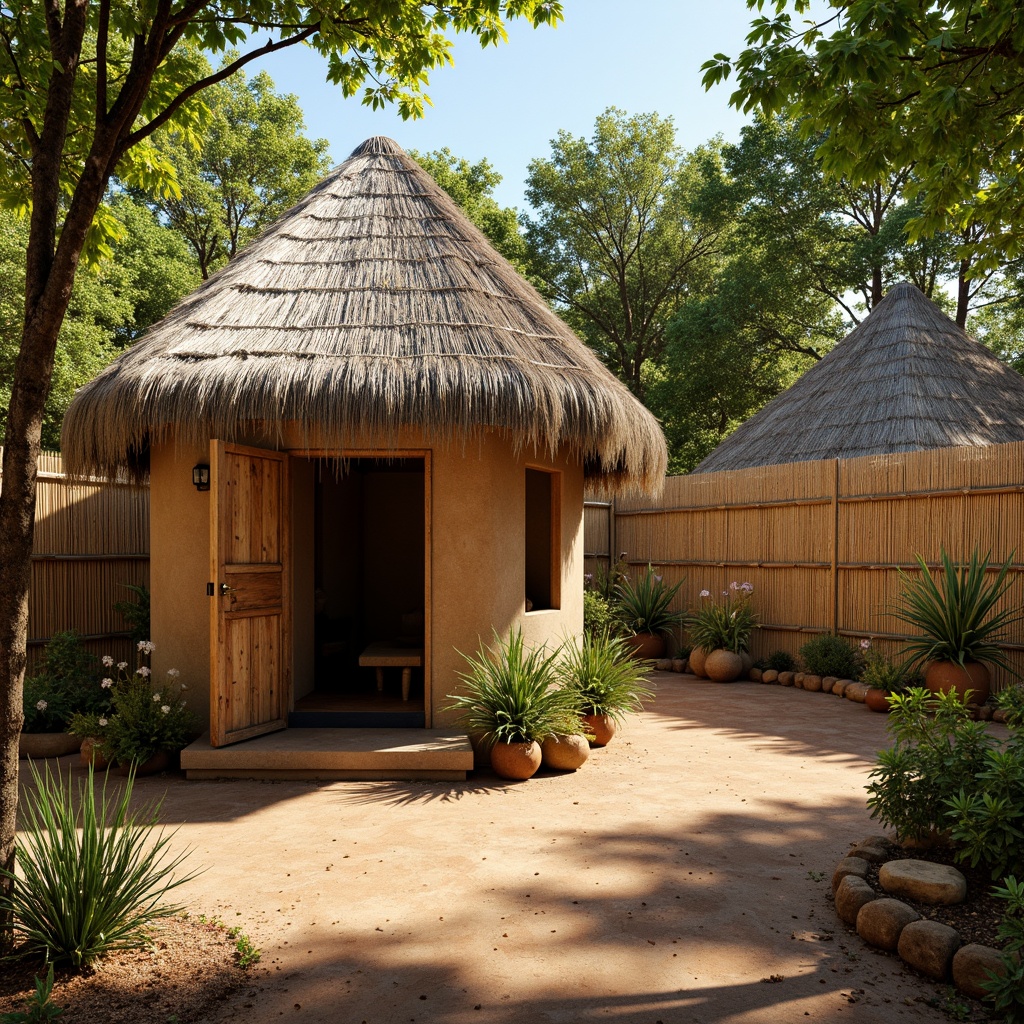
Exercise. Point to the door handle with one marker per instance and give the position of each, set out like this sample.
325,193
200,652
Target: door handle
225,590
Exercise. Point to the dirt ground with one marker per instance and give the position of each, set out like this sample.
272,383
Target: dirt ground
682,875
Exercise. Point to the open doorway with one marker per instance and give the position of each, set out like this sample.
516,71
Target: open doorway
370,600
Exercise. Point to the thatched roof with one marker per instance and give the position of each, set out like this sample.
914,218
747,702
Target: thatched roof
372,305
905,380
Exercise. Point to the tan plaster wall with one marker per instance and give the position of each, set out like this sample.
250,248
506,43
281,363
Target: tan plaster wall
478,502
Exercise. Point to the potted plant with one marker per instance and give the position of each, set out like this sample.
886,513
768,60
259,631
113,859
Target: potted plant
65,685
884,678
954,612
721,632
608,683
644,610
511,703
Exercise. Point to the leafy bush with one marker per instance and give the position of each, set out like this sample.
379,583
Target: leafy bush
510,694
828,655
38,1008
604,678
781,661
727,625
946,775
66,683
599,614
643,607
136,613
1007,992
94,877
882,674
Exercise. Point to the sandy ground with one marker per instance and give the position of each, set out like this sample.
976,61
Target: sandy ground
682,875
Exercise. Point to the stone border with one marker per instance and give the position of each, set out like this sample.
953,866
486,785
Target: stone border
929,947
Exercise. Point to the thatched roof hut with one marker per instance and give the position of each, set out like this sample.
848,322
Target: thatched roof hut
907,379
372,305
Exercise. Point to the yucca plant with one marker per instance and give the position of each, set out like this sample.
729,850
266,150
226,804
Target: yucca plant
953,611
90,877
510,694
643,606
605,678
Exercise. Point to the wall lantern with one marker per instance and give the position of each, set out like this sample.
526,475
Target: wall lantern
201,477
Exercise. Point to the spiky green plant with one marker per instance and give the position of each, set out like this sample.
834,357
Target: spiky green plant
954,611
510,694
91,877
643,606
604,676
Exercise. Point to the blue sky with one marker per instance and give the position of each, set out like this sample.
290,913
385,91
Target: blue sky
507,103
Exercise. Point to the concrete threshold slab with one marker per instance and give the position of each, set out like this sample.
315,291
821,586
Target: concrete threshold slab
401,754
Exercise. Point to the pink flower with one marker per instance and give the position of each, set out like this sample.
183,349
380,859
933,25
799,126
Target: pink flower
107,660
705,593
41,705
102,722
865,645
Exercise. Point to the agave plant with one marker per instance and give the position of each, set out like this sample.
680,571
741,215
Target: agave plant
953,610
511,695
604,677
644,606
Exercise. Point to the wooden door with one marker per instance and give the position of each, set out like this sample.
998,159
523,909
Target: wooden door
250,658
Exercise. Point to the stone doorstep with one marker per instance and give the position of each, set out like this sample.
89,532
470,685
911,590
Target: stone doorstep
399,754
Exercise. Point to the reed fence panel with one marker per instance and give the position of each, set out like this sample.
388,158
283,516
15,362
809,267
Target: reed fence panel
825,543
91,543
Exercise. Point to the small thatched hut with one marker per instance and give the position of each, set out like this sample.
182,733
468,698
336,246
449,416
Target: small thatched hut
906,379
396,430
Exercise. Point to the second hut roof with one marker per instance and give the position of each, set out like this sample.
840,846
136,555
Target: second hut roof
373,304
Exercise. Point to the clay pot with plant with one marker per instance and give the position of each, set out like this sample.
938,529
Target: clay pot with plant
954,613
511,701
607,683
884,679
722,631
644,610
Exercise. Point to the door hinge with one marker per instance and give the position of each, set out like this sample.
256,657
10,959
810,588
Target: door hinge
211,590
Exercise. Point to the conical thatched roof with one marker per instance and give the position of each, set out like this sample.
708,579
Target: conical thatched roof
372,305
905,380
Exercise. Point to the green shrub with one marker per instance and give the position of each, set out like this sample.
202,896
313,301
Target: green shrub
144,720
781,661
136,613
828,655
598,613
882,674
1007,992
604,678
66,683
93,877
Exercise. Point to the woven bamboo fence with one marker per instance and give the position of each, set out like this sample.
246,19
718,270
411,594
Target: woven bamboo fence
91,542
824,543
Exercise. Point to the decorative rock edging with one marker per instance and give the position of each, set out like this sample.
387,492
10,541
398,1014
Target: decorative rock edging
933,949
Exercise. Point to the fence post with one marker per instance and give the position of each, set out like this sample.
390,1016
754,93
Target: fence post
835,550
612,539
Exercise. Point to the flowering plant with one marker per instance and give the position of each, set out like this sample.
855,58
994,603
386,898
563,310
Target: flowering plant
727,625
882,674
63,686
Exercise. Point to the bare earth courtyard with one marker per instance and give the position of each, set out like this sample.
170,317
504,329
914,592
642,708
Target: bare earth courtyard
682,875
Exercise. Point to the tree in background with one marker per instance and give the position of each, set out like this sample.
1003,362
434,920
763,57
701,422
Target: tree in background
472,187
252,163
84,85
936,86
626,226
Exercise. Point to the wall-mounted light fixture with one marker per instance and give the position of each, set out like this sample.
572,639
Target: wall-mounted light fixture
201,477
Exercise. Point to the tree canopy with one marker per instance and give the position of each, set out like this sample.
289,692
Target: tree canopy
936,86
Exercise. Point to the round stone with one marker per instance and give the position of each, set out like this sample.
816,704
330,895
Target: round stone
812,683
769,676
923,882
856,692
880,922
852,894
827,682
678,664
840,685
928,947
872,852
856,866
786,678
971,966
755,675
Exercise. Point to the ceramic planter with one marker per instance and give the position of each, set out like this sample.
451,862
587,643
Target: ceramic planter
646,646
92,753
159,762
47,744
601,727
698,656
515,760
877,700
943,676
564,753
723,666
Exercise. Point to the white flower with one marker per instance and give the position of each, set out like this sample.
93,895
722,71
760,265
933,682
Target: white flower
40,705
865,645
146,646
705,593
122,665
102,722
107,684
734,585
165,708
107,660
183,686
156,698
747,588
142,671
725,593
173,673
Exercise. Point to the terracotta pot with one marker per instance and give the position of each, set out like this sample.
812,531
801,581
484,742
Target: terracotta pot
515,760
601,727
159,762
943,676
566,753
877,700
697,658
646,646
91,754
47,744
723,666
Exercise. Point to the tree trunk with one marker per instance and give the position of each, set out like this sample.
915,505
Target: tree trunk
963,294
